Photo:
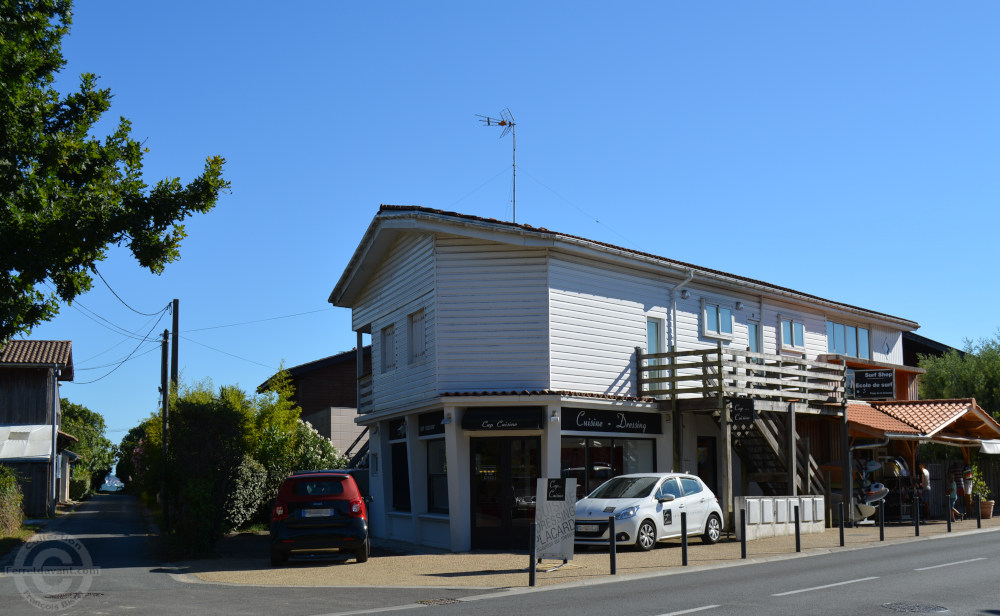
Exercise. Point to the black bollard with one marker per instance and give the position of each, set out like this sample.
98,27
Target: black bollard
743,534
841,523
798,531
979,511
684,539
531,551
881,521
949,515
916,516
613,545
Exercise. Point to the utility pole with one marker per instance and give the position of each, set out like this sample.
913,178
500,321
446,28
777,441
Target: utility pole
165,401
507,122
173,351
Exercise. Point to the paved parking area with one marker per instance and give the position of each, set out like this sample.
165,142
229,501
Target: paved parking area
243,560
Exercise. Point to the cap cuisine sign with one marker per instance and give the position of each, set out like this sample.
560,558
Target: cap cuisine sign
623,422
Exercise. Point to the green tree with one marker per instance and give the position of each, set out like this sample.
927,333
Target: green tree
68,196
974,374
97,451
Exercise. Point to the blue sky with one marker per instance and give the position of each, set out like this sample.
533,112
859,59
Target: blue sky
848,150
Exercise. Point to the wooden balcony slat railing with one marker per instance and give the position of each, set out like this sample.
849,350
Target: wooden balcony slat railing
729,372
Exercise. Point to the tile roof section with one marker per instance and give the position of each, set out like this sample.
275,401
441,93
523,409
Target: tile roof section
40,352
871,417
682,264
929,416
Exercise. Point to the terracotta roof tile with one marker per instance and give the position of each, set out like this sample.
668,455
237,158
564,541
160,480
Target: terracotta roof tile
34,352
871,417
929,416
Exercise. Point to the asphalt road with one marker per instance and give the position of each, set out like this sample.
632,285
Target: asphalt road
115,571
946,574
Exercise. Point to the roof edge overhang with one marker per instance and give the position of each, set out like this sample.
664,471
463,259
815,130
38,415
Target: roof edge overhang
393,220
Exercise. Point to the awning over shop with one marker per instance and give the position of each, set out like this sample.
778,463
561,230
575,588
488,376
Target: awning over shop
991,446
958,422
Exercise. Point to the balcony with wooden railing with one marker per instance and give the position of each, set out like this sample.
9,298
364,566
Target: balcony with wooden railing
701,379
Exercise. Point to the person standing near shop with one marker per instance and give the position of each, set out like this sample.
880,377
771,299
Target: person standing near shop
953,498
925,490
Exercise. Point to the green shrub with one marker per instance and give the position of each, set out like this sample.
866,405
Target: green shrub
246,492
11,513
79,487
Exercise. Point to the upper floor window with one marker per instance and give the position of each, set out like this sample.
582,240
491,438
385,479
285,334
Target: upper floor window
792,334
848,340
717,320
388,348
418,336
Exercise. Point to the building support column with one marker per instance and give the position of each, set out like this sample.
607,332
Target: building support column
846,480
552,447
792,451
456,446
726,440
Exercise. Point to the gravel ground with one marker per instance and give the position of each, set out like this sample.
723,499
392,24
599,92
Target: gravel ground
243,560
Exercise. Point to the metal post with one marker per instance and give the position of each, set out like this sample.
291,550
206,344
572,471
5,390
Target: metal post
684,538
949,516
916,516
881,522
979,511
798,531
165,430
613,547
531,551
841,523
743,534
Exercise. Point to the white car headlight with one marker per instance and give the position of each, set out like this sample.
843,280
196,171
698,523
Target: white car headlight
625,514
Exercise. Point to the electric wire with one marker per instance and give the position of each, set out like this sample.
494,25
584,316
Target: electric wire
230,354
626,241
154,346
96,318
122,362
287,316
145,314
476,189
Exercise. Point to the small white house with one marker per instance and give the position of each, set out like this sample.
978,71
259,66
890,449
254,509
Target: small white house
502,353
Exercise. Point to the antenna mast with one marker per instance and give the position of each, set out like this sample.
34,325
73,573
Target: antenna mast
506,120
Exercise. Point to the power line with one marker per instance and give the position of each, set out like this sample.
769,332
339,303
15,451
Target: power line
145,314
155,346
230,354
122,362
287,316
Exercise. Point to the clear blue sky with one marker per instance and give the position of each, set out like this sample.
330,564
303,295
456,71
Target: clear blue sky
849,150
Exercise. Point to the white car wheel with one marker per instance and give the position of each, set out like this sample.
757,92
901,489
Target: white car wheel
713,529
646,537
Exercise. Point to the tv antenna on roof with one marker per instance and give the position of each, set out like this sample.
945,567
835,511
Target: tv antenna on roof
506,120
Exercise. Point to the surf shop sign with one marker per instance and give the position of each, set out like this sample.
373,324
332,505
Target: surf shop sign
555,518
874,384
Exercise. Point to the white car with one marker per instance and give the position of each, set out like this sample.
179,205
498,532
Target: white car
647,508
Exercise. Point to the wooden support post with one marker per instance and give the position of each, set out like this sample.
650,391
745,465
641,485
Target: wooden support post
792,437
727,461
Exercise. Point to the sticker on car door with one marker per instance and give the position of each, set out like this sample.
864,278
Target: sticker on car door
668,517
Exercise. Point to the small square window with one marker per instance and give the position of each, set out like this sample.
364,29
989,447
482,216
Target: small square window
792,334
417,336
717,321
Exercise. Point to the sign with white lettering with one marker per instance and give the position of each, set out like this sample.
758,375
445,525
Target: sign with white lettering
874,384
742,410
624,422
494,419
555,518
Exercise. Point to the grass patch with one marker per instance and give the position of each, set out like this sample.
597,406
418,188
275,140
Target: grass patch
10,543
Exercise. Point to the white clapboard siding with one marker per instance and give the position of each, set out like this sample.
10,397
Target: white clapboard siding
879,338
597,318
402,285
814,323
492,316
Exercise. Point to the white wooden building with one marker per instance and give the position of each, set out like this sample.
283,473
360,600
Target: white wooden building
502,353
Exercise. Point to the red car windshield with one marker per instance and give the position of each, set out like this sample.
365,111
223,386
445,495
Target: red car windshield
320,486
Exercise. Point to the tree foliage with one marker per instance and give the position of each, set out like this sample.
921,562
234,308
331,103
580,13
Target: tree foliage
974,374
68,196
228,454
97,451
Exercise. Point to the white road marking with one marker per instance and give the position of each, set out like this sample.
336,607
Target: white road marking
961,562
692,610
794,592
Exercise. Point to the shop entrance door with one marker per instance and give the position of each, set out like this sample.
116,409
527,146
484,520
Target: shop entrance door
504,474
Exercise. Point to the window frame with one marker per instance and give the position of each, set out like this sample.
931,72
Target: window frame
387,342
835,329
434,477
793,321
416,336
719,308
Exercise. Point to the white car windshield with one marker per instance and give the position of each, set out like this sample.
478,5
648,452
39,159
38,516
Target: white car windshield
625,487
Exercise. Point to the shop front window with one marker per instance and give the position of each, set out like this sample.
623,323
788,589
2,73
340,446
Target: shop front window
437,477
592,461
400,478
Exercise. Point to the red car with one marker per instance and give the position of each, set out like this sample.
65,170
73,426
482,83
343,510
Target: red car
319,512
